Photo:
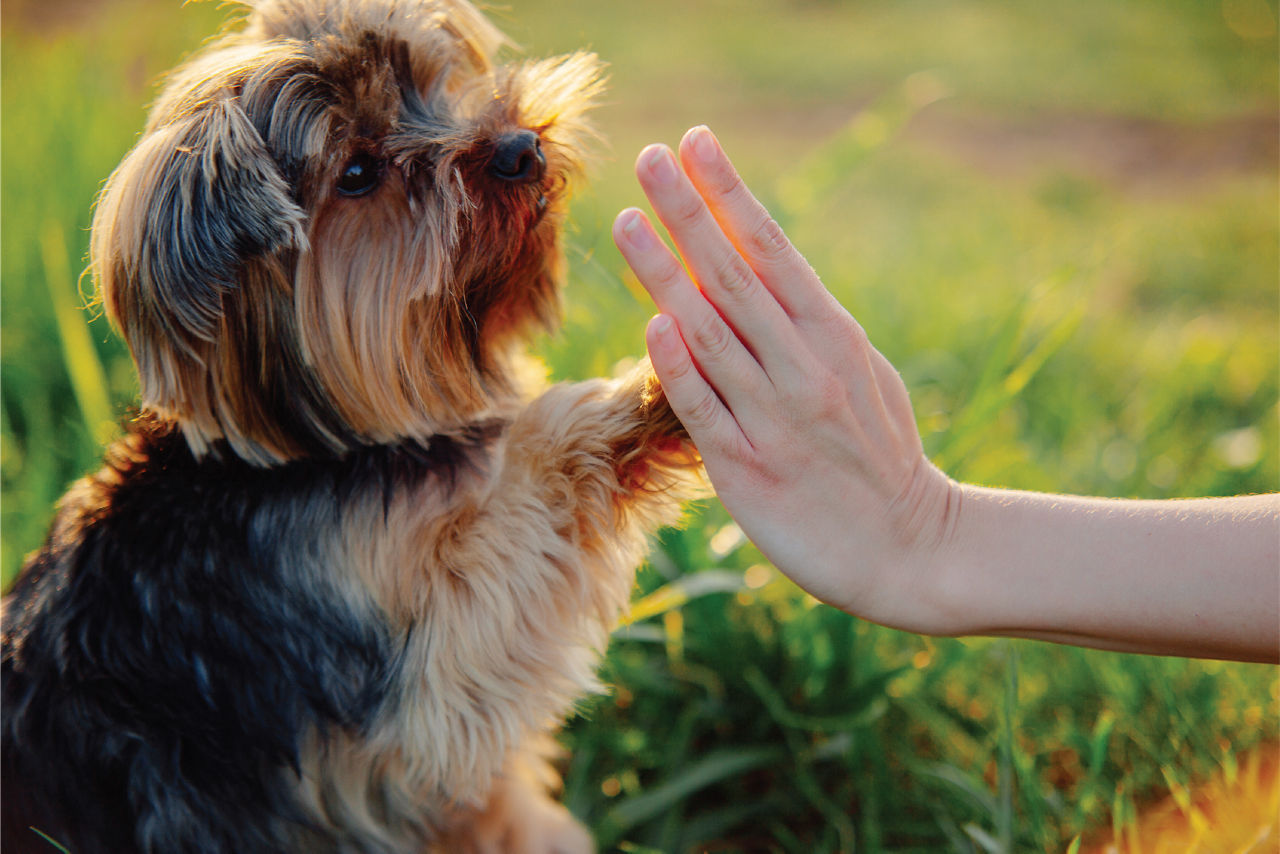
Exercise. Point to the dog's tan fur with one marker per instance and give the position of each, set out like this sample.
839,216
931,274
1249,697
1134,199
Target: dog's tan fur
511,589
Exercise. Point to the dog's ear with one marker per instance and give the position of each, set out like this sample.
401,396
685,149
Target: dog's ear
189,205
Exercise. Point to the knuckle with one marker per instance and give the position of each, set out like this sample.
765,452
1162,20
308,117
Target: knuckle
726,181
687,211
730,189
734,276
849,334
757,467
767,475
769,459
703,410
769,242
713,338
668,272
678,371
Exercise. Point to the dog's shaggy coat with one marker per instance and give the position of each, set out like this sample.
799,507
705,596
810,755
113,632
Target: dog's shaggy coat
351,564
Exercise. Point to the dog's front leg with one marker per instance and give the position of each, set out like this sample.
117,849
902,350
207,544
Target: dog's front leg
597,467
526,579
587,471
613,449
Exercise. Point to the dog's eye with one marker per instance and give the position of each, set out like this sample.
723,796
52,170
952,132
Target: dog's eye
360,175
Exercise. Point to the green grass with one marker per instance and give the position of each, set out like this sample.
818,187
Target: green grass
1061,327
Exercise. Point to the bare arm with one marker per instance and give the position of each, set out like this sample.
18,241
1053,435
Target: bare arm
1198,577
808,436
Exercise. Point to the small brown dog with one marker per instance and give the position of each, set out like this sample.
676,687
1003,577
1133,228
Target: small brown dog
351,566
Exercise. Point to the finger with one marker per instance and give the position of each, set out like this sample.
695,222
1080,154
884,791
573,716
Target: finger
777,263
710,423
724,276
720,356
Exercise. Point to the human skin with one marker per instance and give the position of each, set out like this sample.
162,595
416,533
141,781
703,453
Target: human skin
810,441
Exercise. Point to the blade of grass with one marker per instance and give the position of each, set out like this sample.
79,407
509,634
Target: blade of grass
867,711
985,840
682,783
1093,788
989,402
1007,773
677,747
806,782
961,783
88,379
677,593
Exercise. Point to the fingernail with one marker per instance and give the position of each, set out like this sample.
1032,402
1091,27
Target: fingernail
705,147
660,324
634,230
661,167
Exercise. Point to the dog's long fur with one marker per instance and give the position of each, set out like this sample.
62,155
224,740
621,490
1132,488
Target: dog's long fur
350,565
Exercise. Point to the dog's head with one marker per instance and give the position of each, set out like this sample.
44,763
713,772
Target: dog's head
339,223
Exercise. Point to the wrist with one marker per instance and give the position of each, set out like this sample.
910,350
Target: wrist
952,599
907,590
941,611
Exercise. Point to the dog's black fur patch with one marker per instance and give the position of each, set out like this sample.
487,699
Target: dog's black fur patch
174,641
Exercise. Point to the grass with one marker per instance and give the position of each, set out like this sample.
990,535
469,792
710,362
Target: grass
1068,325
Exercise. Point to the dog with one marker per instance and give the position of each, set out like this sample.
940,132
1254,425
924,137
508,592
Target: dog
353,560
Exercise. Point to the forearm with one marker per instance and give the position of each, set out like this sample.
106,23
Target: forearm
1196,577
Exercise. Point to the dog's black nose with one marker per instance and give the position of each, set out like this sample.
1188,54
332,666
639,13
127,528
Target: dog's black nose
517,157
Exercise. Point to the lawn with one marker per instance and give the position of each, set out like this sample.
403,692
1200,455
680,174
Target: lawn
1059,221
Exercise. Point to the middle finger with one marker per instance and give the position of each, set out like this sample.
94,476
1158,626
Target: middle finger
716,265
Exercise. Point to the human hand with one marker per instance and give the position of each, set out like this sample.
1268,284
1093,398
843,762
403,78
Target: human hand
806,430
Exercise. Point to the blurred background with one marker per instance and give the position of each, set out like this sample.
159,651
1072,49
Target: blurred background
1058,220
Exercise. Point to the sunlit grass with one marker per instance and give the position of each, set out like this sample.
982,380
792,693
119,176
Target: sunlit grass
1058,330
1237,811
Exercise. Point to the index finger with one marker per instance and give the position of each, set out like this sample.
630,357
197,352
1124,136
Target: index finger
751,229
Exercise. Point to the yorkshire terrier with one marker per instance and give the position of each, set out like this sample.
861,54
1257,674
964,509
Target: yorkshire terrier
352,563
